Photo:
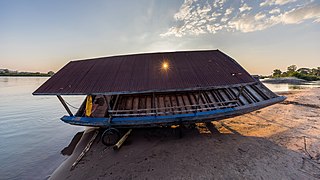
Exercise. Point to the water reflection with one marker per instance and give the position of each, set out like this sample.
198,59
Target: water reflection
31,132
282,87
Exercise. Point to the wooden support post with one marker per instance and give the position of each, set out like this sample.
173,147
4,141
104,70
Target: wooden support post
121,141
198,101
240,92
65,105
115,102
155,103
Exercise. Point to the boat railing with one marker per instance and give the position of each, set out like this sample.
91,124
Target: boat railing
174,109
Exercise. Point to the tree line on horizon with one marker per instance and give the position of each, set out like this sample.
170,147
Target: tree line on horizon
309,74
7,72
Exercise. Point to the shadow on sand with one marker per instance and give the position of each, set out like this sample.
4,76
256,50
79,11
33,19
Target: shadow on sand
202,153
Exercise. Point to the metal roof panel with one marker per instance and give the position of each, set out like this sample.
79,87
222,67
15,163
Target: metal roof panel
144,73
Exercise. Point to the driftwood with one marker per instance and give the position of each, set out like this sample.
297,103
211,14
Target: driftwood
121,141
85,150
305,147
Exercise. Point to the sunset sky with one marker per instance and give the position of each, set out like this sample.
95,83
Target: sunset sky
43,35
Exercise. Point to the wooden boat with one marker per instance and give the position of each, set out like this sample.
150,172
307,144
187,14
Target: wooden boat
163,109
158,89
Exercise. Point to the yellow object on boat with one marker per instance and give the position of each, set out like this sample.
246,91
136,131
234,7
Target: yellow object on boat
89,106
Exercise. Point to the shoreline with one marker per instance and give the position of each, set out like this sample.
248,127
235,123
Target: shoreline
288,80
267,143
24,75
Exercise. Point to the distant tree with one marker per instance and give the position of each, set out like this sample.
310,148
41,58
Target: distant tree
50,73
315,71
6,71
284,74
291,68
304,70
276,73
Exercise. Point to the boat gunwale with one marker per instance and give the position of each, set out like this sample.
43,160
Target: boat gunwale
150,121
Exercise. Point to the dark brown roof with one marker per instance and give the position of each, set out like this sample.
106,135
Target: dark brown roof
144,73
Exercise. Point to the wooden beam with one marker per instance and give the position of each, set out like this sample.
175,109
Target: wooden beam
240,92
155,101
85,150
115,103
65,105
121,141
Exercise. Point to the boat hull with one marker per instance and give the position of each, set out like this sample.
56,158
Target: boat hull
167,120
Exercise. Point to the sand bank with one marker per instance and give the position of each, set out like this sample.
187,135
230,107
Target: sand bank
278,142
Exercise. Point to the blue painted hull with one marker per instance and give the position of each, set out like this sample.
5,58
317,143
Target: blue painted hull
152,121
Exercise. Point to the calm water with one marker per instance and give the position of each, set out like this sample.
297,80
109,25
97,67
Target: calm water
289,87
31,133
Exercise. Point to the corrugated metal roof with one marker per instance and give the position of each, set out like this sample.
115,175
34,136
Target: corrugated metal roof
144,73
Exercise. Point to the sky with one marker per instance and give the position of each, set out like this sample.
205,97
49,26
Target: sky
261,35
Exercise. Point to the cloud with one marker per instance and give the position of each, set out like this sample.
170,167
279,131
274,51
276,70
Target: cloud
228,11
245,7
276,2
274,11
298,15
197,17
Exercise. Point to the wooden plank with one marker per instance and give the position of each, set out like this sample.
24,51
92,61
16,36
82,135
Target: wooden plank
193,101
242,100
179,102
265,97
205,99
124,102
135,104
210,97
174,103
266,91
149,103
223,95
228,94
254,93
245,95
231,95
142,103
218,98
250,95
161,104
186,101
201,101
121,141
155,103
167,103
106,99
129,102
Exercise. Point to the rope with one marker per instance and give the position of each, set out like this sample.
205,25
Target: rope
71,105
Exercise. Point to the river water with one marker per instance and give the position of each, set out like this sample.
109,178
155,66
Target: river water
31,133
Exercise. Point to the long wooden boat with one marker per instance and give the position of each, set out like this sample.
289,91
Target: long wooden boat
163,109
158,89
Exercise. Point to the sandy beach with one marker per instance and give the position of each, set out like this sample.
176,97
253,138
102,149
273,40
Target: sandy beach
278,142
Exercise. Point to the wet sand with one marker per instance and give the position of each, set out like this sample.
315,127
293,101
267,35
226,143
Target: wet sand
278,142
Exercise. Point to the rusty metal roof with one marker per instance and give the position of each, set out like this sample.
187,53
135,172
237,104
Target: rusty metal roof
140,73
